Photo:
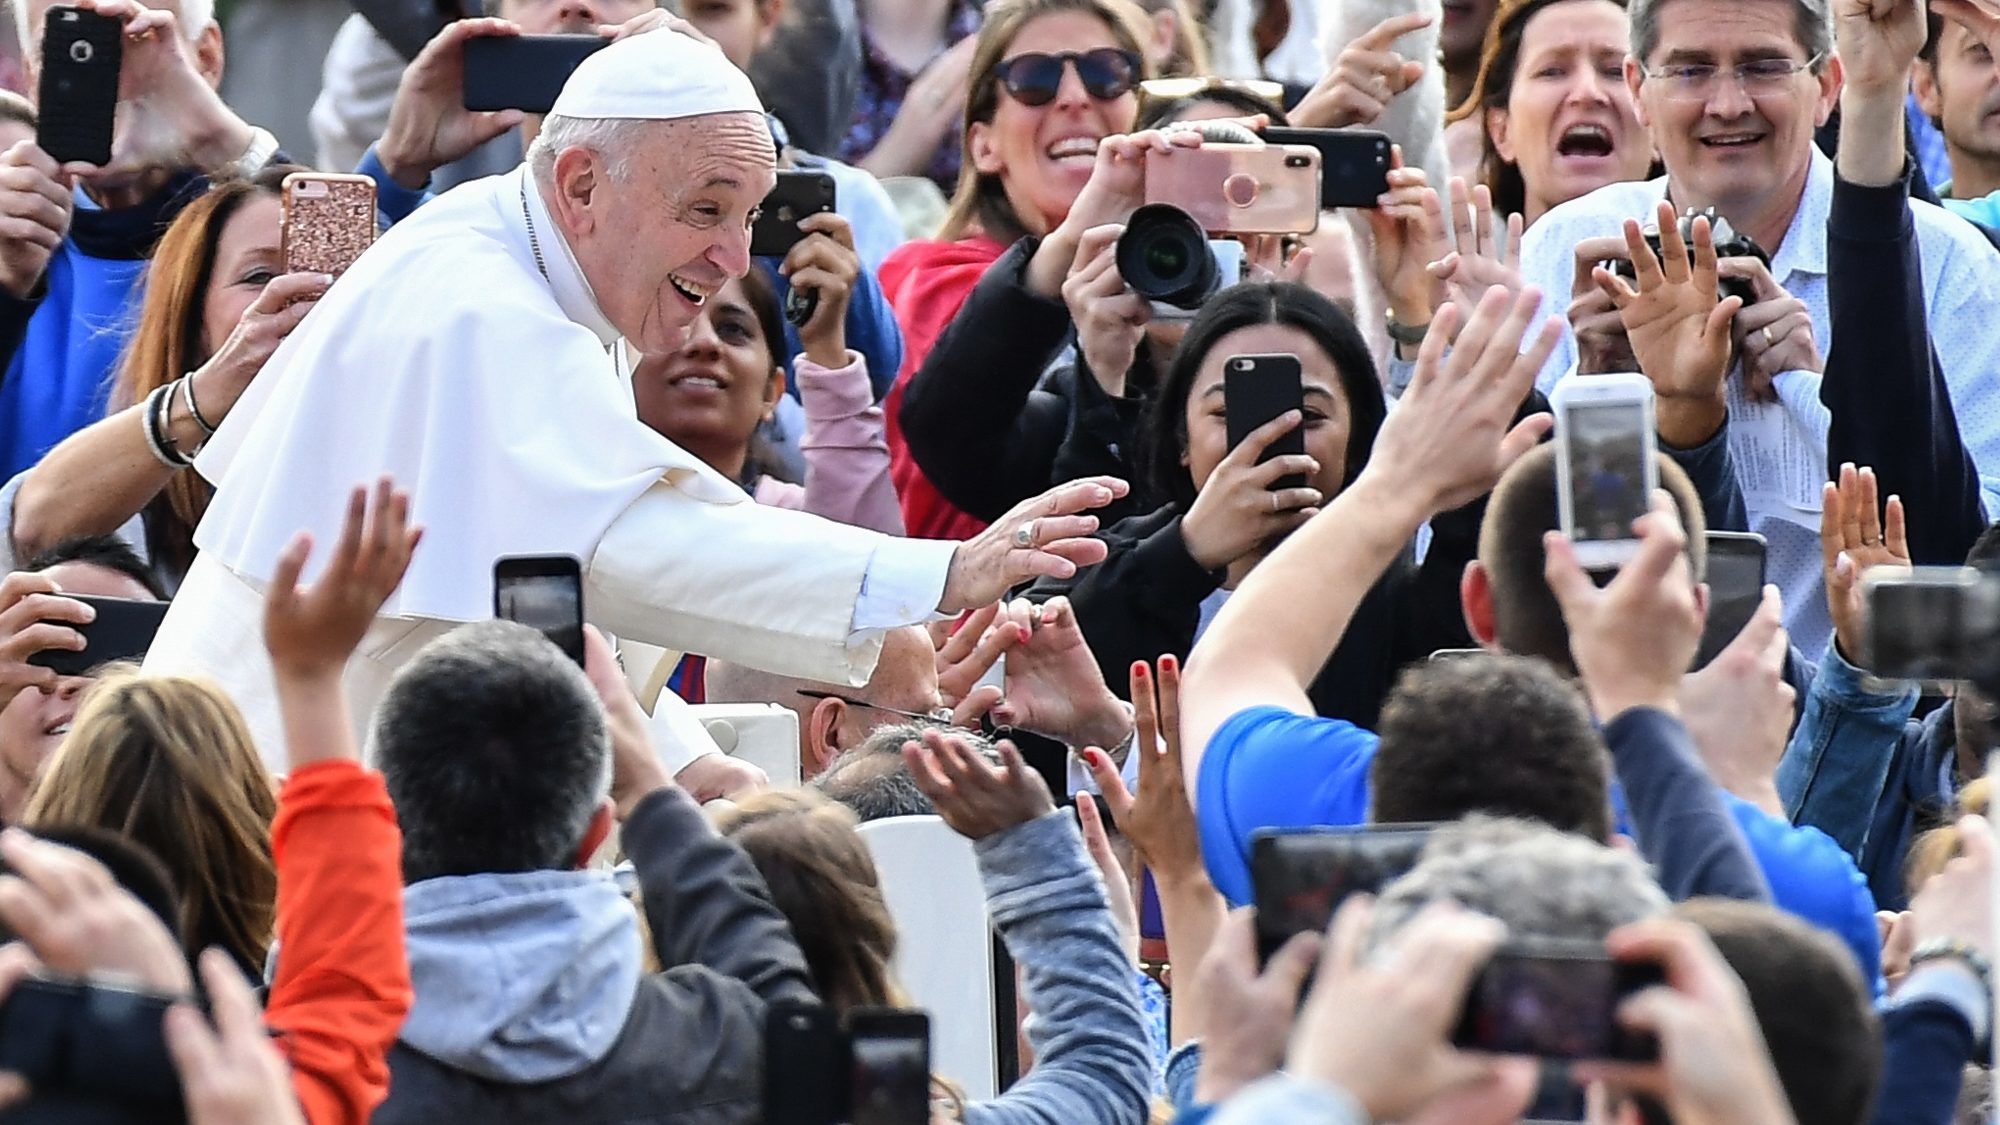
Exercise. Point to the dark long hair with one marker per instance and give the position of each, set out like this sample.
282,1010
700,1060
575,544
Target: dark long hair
763,461
1165,435
1499,62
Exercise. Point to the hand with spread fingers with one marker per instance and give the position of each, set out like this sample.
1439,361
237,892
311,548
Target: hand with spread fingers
1488,253
1046,535
1365,77
312,631
1856,535
977,798
78,921
1678,329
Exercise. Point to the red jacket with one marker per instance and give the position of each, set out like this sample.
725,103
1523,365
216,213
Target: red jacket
926,284
343,980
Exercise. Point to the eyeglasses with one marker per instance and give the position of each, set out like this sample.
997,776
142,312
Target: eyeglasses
1034,78
1170,89
1698,82
939,715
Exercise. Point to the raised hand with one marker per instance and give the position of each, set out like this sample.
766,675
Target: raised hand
1856,535
975,797
1408,227
1739,711
1238,511
1453,432
824,261
1117,881
1364,78
429,126
35,616
1880,39
1159,820
1110,318
1053,686
1046,535
1486,256
311,632
1678,330
1634,639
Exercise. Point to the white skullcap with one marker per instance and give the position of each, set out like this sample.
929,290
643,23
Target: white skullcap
657,76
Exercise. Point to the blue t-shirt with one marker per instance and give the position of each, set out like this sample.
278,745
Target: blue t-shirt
1271,768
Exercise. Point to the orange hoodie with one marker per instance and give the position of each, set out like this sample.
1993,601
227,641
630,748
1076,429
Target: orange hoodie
343,980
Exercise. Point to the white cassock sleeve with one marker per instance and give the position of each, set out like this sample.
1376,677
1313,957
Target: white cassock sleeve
774,589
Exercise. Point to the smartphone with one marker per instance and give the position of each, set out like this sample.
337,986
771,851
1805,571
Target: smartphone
797,195
1932,623
329,220
1605,466
811,1087
1735,589
543,592
1300,877
1556,1001
78,98
93,1041
1239,189
409,25
890,1067
1353,163
524,72
1257,389
123,630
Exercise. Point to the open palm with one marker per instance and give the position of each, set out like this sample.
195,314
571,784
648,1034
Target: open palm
1678,328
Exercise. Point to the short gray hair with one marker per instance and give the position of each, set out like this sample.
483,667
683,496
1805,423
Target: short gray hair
613,139
1539,882
1812,22
872,780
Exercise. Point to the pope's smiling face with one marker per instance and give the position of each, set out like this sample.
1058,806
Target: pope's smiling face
657,236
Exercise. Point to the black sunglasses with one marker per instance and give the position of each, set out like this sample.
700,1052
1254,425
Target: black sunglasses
1034,78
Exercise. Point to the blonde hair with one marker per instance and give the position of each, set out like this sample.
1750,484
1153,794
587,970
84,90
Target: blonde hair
168,763
1931,850
980,201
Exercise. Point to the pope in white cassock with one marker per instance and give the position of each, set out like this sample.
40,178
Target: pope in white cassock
480,354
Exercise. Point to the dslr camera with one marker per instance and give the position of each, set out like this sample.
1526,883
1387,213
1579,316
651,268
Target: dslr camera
1167,258
1728,244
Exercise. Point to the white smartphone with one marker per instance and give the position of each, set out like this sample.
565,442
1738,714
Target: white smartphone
1605,467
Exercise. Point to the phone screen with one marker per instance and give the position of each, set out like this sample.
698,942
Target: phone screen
1735,588
1556,1007
550,603
1608,451
1301,878
891,1078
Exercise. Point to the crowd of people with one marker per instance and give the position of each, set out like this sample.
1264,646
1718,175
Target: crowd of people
940,484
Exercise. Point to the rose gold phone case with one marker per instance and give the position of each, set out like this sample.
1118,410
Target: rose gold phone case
1239,189
329,221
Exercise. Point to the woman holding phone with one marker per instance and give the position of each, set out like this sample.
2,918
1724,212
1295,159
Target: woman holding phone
1170,571
218,303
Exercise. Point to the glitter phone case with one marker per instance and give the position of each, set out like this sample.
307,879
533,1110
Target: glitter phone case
329,221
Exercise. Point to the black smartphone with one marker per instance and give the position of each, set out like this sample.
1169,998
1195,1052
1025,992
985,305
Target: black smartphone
543,592
1556,1001
81,55
1258,388
92,1041
890,1067
1735,589
408,25
123,630
524,72
797,195
1300,877
811,1087
1353,163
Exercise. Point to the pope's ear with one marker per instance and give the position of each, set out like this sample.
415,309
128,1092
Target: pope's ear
577,178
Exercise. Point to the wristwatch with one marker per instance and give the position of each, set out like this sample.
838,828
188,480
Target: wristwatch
263,146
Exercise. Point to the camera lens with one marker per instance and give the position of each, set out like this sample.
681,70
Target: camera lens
1164,256
81,51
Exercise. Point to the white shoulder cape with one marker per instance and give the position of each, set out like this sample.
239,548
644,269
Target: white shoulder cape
445,359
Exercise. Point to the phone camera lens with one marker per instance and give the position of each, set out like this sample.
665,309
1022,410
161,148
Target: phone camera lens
81,52
1296,162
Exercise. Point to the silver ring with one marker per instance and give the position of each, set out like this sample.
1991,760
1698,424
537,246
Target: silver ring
1769,342
1275,507
1024,535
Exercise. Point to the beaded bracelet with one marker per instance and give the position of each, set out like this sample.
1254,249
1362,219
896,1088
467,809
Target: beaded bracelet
1941,949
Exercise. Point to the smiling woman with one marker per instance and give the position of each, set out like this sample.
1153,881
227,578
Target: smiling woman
1559,120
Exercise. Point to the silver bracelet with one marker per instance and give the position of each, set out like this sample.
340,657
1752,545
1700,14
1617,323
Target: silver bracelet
187,396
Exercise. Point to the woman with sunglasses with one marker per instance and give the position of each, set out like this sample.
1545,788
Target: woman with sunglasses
1047,158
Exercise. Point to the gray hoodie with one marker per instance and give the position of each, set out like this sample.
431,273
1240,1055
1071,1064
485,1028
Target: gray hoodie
523,977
